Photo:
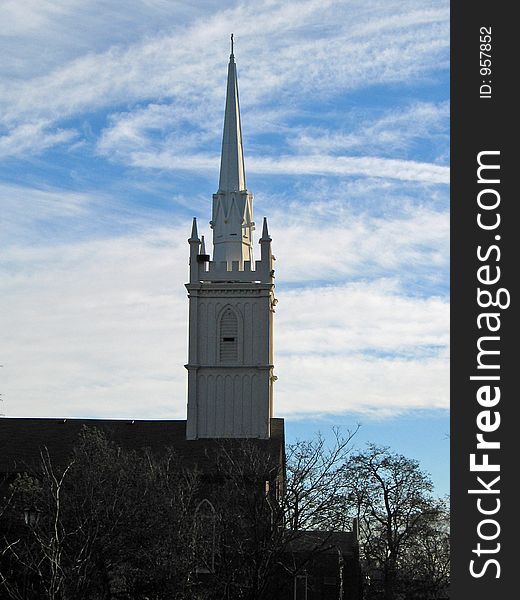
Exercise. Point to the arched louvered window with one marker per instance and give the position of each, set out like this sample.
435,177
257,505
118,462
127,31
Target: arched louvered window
228,337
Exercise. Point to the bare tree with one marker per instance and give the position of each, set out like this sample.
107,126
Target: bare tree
111,524
40,554
246,521
263,506
391,497
425,565
314,483
119,524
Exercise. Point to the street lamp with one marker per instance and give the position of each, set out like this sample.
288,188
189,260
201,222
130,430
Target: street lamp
31,515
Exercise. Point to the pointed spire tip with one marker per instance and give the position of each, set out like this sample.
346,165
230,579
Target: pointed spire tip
194,233
265,232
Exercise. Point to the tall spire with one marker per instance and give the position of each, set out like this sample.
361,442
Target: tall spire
232,215
232,172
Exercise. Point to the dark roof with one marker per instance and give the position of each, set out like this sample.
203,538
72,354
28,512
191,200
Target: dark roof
22,439
326,542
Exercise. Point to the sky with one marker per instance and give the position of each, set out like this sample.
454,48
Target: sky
111,119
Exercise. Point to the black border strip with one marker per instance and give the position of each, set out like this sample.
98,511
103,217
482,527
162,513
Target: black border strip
483,122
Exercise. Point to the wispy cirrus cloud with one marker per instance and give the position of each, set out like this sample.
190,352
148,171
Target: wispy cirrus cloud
357,245
375,387
119,123
156,136
133,139
313,164
111,321
417,326
390,133
370,166
286,49
40,35
110,316
31,138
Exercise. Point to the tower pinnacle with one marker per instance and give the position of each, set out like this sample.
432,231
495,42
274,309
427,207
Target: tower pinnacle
194,237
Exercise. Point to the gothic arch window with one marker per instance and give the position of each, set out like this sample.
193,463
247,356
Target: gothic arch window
228,336
204,537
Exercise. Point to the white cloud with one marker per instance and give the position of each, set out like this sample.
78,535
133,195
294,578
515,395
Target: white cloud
99,328
94,310
32,138
393,131
315,164
360,317
342,244
38,35
96,328
286,54
157,136
31,204
31,214
370,166
312,386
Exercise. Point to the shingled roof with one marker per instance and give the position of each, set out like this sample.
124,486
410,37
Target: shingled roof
324,542
21,440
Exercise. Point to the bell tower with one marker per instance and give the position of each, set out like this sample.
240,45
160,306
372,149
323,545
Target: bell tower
231,304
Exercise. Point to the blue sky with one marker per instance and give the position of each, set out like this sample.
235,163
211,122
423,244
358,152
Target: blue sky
110,130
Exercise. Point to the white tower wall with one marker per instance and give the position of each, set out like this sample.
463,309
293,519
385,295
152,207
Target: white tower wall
230,396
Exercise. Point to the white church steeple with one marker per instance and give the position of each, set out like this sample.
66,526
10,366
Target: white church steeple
230,347
232,219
